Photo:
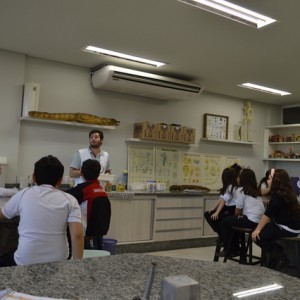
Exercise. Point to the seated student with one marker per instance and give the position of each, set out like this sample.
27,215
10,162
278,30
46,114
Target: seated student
45,212
94,203
248,212
226,205
237,168
281,219
265,188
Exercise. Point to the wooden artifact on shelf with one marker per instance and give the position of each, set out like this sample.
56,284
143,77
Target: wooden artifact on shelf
75,117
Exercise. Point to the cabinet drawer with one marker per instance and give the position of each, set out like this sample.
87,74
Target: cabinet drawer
178,235
178,213
180,224
179,202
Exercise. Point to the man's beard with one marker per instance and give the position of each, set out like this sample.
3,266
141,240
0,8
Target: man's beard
94,146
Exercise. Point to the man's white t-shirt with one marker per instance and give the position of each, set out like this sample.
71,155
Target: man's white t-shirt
44,213
84,154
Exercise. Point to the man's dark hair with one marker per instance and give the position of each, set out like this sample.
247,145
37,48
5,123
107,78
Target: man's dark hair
48,170
90,169
97,131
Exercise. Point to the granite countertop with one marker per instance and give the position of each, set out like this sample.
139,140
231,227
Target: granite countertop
132,194
124,276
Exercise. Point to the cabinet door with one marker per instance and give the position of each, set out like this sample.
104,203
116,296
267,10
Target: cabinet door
132,220
209,203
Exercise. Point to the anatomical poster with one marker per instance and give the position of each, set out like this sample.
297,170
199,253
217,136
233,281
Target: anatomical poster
141,164
167,166
212,170
191,168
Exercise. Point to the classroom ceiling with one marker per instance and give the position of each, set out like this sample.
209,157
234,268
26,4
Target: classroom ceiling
197,45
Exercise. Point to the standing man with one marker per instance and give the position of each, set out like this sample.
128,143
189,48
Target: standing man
92,152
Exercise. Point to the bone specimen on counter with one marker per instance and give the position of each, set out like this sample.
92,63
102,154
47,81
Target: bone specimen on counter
74,117
188,187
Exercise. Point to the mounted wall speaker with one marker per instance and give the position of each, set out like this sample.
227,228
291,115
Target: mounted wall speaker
31,94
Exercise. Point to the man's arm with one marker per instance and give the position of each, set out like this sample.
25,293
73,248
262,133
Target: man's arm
2,217
77,239
74,173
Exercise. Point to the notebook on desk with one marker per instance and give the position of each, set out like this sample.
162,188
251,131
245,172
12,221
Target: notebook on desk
9,294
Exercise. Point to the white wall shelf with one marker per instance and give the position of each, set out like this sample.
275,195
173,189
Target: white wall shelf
283,143
67,123
157,142
282,159
227,141
284,147
283,126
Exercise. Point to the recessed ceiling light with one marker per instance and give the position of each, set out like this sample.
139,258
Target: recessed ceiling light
264,89
231,11
260,290
97,50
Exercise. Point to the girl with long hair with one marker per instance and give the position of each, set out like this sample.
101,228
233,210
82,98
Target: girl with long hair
281,219
226,204
249,209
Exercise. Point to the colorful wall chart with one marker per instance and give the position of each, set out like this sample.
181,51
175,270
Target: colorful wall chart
191,168
171,166
167,166
141,164
212,170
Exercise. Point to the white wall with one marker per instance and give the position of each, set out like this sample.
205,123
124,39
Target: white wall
67,88
11,89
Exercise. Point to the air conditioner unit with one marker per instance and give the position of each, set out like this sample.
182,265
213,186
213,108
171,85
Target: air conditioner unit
144,84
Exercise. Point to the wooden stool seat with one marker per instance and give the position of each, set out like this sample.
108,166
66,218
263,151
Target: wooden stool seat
246,253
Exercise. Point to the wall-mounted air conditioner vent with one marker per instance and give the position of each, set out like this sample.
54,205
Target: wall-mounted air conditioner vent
128,81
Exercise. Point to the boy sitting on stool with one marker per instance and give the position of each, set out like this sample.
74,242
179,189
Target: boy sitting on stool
94,203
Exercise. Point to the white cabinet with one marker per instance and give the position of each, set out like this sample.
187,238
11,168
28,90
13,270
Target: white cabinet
282,144
132,220
178,218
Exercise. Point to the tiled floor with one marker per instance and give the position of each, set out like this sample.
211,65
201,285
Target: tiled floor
202,253
207,254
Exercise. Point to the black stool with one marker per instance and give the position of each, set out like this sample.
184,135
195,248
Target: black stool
246,253
296,249
217,250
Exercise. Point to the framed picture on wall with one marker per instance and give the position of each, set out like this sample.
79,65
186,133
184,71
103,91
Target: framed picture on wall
215,126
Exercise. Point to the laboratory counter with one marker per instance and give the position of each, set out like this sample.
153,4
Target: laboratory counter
124,276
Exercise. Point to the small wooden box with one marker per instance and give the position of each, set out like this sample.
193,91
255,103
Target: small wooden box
163,132
189,135
145,130
176,134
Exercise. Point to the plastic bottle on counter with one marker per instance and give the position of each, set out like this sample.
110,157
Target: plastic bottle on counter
125,178
151,186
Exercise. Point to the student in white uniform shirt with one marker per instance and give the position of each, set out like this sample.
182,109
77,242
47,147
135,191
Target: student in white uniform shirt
45,212
94,151
248,212
226,204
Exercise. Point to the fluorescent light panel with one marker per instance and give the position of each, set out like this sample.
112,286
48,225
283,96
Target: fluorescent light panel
264,89
231,11
97,50
260,290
